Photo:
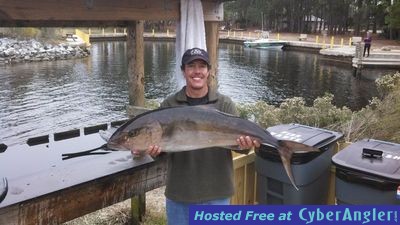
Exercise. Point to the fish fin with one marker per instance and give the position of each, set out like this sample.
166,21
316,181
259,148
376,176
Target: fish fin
286,149
232,147
286,156
298,147
176,129
3,189
213,107
207,106
106,134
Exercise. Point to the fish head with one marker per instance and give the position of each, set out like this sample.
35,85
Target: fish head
136,136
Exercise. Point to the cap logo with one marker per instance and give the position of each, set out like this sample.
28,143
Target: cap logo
196,52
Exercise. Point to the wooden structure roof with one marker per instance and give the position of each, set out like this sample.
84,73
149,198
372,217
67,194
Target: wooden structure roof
58,13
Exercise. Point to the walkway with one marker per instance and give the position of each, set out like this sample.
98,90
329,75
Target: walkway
384,53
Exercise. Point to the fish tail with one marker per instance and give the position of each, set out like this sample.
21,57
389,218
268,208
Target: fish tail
286,149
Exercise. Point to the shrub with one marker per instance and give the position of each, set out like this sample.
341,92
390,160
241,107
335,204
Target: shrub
380,119
322,114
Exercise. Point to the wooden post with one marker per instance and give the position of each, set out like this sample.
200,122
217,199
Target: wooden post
212,40
138,208
135,54
135,57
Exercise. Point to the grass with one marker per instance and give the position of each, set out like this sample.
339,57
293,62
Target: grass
117,214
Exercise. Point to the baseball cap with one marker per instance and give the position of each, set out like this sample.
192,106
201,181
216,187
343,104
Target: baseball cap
195,53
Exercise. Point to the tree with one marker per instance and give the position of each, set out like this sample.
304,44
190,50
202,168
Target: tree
393,20
295,15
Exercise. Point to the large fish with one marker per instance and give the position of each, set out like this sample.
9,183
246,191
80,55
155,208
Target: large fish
187,128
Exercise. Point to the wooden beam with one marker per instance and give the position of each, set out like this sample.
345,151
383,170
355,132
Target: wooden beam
135,52
213,11
62,23
53,12
212,39
139,68
87,13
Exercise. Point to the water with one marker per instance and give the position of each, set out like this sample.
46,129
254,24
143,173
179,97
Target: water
248,75
46,97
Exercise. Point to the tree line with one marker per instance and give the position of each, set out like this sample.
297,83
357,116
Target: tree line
315,16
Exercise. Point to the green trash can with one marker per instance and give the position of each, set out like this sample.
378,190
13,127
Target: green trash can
311,170
368,172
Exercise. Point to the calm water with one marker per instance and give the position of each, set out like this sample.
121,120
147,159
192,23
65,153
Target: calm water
47,97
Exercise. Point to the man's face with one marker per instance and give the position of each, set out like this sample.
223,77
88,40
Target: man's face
196,74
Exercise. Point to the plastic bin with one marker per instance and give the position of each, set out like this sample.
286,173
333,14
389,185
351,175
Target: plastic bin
368,172
311,170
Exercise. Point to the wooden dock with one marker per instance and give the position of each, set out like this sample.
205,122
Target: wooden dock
390,59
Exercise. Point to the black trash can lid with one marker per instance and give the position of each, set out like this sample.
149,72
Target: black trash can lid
311,136
371,157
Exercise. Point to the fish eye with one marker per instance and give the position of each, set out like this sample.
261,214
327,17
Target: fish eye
131,133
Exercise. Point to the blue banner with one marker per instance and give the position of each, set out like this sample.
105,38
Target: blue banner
293,214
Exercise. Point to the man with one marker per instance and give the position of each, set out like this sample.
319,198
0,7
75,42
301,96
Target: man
367,43
205,176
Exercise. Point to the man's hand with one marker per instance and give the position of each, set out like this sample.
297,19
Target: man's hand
245,142
153,151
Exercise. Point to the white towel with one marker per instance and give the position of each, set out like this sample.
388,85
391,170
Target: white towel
190,33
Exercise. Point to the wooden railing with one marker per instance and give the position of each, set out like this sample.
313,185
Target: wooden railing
245,179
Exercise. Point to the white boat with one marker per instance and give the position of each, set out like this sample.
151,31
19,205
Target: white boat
73,40
264,43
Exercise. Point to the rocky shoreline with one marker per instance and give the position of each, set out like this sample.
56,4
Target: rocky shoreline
17,51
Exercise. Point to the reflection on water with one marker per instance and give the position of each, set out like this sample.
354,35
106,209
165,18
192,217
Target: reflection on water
272,75
47,97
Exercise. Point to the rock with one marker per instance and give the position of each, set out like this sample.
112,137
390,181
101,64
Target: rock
42,50
386,48
9,52
13,50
